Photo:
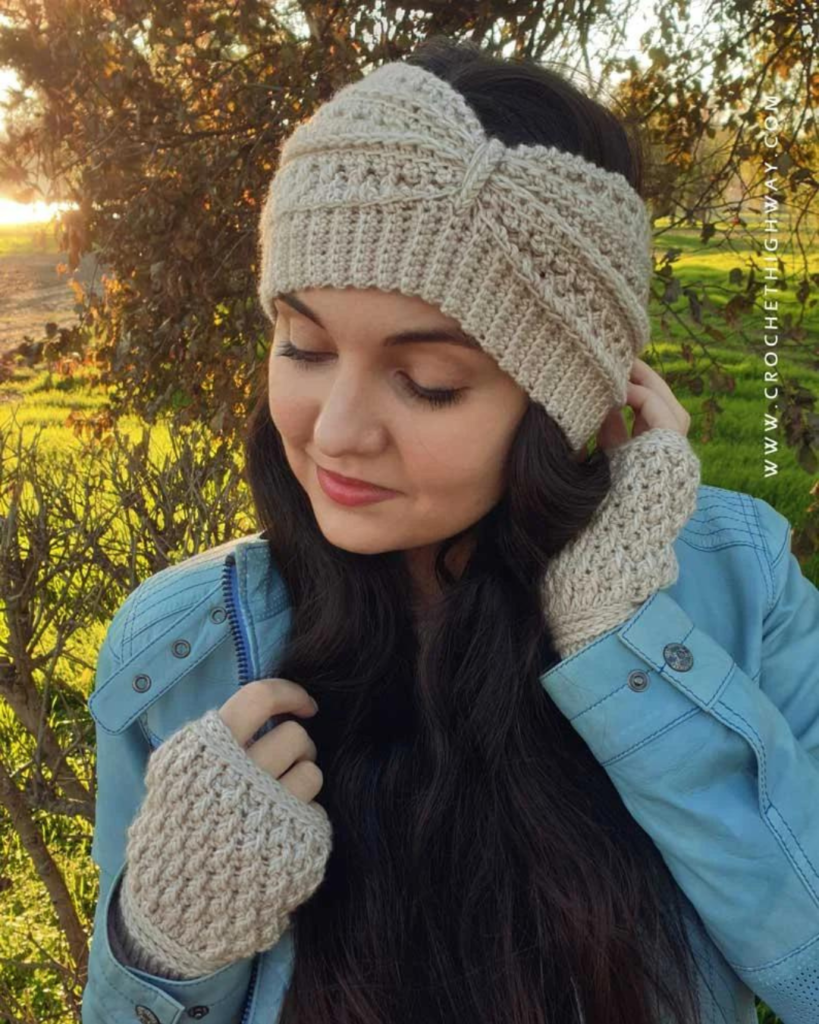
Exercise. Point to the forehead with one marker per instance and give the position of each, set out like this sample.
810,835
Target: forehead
373,301
401,318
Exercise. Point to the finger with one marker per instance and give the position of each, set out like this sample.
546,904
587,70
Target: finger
247,710
643,374
282,747
304,780
652,410
613,431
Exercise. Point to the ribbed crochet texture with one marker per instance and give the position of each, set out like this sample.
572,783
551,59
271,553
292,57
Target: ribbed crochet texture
218,855
542,256
626,551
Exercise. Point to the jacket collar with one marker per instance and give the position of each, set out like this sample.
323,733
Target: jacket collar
178,616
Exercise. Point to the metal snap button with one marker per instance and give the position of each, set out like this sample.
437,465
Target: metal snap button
218,615
638,680
146,1016
181,648
678,657
197,1012
141,683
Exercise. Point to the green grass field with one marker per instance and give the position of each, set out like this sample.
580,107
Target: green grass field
27,238
733,452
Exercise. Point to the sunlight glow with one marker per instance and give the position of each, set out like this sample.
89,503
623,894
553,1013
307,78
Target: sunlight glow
29,213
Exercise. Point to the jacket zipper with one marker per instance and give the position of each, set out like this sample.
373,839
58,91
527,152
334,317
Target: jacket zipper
250,988
230,591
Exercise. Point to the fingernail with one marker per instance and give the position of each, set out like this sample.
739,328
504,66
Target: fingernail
315,706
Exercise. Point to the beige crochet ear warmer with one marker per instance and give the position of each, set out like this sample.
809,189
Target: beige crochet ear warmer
541,256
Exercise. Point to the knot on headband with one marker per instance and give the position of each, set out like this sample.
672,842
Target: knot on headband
539,254
485,157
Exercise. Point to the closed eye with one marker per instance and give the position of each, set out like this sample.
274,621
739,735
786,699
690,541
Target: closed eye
436,397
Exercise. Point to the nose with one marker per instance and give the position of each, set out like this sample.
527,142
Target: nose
349,418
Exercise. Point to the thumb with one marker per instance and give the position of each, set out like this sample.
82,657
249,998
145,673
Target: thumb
613,430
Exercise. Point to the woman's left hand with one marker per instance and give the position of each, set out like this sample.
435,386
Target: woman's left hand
654,405
626,552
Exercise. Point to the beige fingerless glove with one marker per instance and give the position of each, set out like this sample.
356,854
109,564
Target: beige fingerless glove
218,855
625,553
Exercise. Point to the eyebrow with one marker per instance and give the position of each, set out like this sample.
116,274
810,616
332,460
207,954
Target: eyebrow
452,335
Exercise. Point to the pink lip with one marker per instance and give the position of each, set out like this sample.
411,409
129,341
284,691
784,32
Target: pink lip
349,492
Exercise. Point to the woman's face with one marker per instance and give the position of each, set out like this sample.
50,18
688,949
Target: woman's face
350,410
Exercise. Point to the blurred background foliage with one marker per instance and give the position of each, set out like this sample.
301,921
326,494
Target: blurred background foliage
163,123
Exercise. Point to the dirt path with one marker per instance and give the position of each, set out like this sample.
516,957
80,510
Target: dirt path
32,293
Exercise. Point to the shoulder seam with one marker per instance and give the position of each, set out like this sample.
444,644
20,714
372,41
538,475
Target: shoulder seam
751,510
772,559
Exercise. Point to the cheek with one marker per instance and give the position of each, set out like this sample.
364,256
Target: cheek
293,416
461,454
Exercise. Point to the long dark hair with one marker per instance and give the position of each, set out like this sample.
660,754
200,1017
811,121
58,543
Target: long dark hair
484,866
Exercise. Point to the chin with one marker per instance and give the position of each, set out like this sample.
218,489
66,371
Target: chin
365,547
357,538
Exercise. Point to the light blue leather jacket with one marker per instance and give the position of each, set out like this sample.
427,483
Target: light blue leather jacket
703,708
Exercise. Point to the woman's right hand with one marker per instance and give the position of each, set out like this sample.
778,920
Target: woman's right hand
288,744
229,839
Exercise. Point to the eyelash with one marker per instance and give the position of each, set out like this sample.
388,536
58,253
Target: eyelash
437,398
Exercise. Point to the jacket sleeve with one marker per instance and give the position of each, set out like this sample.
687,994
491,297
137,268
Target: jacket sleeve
790,643
114,992
724,781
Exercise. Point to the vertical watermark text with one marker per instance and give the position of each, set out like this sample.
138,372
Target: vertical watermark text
772,282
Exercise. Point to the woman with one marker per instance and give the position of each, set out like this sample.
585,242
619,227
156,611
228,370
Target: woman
456,315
